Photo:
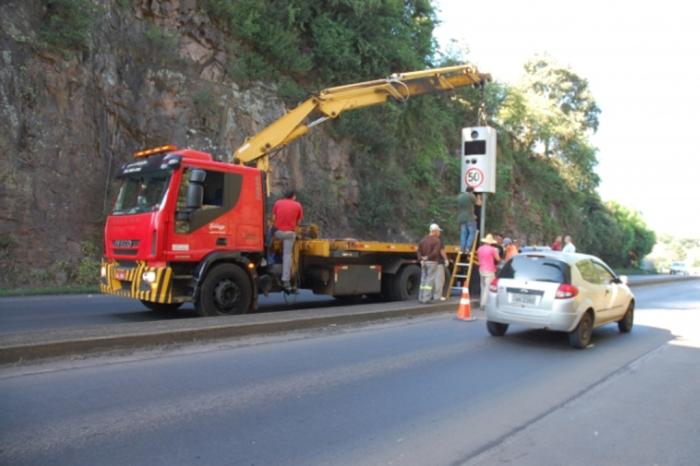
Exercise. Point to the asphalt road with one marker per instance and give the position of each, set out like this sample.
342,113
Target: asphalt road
425,391
37,313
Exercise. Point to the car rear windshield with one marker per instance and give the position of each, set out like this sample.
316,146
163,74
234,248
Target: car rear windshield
534,267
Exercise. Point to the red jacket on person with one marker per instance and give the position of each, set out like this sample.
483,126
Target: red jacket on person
288,213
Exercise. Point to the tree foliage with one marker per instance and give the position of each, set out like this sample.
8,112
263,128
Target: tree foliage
546,179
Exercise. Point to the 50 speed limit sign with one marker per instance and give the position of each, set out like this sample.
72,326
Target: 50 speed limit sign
474,177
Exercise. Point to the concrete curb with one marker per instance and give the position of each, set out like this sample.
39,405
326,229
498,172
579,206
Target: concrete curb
29,346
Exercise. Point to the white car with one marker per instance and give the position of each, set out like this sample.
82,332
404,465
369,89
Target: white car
566,292
678,268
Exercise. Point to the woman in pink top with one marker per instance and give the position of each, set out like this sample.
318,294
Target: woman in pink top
488,265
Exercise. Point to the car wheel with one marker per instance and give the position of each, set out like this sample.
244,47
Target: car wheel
161,307
580,337
625,324
496,329
226,290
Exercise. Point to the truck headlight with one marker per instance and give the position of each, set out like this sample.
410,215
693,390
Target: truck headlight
149,277
103,271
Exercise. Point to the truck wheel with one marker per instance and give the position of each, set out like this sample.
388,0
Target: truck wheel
406,283
226,291
161,307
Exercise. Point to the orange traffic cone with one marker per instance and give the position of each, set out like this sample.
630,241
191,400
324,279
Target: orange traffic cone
464,311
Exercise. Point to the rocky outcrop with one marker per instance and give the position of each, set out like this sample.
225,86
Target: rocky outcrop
154,73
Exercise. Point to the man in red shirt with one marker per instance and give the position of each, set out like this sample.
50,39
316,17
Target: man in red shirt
286,215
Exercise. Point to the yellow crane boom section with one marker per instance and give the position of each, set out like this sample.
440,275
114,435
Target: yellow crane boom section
331,102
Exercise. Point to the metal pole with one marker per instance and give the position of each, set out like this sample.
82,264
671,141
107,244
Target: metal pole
482,226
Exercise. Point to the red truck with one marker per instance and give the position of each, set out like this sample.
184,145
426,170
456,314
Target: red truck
187,228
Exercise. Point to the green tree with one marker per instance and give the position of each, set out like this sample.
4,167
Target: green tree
552,111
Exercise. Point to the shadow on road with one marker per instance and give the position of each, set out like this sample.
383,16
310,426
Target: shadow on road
606,335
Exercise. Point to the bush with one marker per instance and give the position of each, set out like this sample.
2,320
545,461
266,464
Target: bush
89,267
66,24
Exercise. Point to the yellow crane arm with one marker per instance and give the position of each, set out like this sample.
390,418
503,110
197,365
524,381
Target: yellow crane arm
331,102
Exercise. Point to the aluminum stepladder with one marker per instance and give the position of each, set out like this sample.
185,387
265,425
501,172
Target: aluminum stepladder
463,270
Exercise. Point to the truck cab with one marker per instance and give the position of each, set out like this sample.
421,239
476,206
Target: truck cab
175,211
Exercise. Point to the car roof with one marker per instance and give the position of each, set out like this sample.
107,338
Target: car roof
568,257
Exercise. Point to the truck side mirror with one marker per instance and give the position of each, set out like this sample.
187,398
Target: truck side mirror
195,191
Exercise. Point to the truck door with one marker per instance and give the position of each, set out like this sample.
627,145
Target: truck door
211,226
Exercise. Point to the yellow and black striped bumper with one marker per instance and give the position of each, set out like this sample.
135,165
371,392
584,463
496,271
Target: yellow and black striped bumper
127,280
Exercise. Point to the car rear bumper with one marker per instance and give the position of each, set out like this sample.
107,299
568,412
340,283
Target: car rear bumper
563,318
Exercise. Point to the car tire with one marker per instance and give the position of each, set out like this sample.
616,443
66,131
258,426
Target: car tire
161,307
496,329
406,284
226,290
625,324
580,337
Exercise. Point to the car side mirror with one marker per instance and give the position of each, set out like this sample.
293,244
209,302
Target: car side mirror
623,279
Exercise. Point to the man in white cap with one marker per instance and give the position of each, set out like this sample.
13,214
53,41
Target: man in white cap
430,252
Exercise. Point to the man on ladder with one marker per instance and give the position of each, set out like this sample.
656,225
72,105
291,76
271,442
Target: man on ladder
466,216
462,269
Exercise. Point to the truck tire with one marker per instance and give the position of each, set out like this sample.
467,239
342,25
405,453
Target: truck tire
161,307
226,291
406,283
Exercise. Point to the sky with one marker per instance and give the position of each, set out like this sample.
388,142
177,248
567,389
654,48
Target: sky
642,63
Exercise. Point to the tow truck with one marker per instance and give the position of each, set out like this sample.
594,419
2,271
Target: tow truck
188,228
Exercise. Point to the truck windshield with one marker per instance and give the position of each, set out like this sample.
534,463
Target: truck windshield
141,192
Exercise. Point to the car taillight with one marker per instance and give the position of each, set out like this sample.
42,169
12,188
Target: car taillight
493,287
566,291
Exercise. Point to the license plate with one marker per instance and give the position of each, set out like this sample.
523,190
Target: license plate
526,299
120,274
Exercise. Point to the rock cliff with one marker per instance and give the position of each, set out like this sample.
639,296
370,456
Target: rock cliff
154,72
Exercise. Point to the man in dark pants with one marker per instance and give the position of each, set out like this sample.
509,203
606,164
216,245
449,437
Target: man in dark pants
286,215
467,202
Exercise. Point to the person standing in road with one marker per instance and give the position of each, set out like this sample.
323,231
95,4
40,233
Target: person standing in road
488,265
466,206
443,262
568,245
430,251
286,215
511,248
556,245
499,244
